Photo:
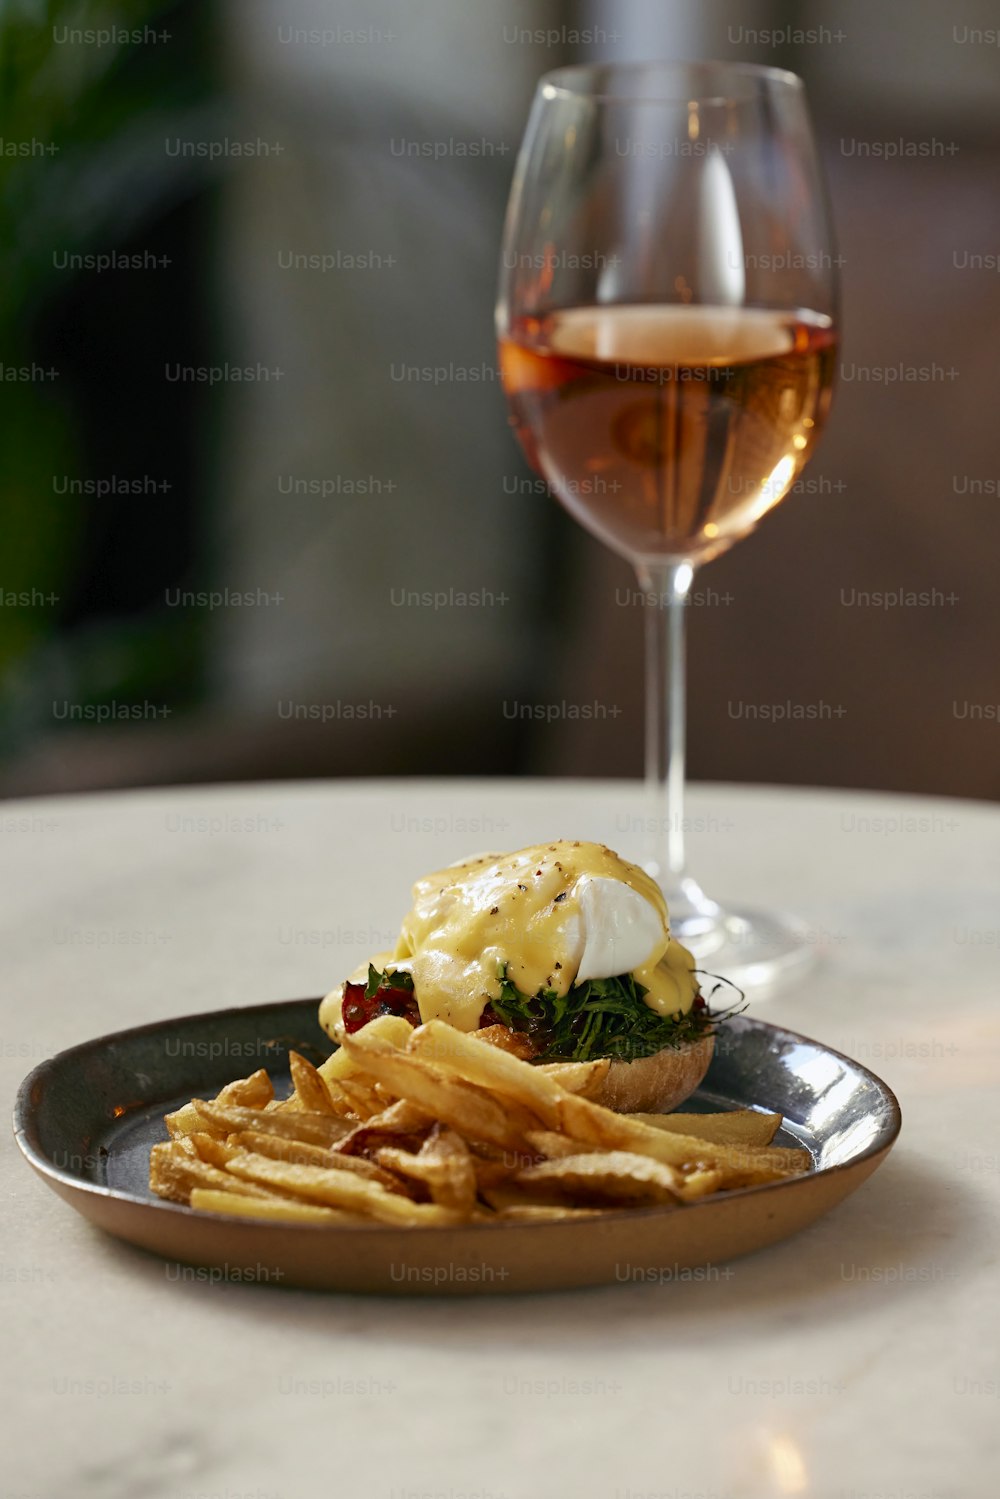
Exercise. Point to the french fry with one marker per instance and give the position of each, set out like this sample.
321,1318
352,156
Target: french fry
409,1114
300,1153
588,1122
454,1101
739,1127
318,1129
392,1029
183,1121
337,1188
490,1174
174,1173
542,1212
503,1196
455,1052
399,1123
364,1101
611,1176
443,1165
280,1148
748,1165
549,1143
251,1092
311,1093
239,1205
701,1183
211,1149
584,1078
339,1100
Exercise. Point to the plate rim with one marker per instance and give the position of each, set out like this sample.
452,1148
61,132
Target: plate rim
24,1134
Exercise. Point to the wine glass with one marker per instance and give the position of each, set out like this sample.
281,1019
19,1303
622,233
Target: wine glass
667,334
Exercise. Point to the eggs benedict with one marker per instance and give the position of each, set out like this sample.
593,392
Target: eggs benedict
558,952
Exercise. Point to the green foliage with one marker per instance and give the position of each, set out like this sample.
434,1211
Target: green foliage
599,1018
83,166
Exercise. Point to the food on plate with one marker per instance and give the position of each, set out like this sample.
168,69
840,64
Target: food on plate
560,953
434,1126
510,1060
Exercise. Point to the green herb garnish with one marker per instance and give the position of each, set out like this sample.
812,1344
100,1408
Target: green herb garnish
599,1018
602,1018
394,980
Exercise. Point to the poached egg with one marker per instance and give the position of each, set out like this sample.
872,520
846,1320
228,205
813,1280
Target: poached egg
551,916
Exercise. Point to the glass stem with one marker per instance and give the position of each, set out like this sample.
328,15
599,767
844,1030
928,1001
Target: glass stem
667,586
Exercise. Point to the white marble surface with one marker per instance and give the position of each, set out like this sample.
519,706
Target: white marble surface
857,1361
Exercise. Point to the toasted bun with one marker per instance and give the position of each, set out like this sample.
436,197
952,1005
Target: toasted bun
656,1084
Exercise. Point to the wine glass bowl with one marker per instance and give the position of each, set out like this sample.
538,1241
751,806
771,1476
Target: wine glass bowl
667,326
669,430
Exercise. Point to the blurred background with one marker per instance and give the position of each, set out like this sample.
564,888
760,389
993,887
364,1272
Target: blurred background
242,538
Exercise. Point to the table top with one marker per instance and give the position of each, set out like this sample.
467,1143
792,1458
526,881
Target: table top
856,1361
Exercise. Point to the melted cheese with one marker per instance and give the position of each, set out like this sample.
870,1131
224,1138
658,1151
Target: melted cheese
539,912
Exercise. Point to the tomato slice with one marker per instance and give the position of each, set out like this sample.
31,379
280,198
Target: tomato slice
359,1007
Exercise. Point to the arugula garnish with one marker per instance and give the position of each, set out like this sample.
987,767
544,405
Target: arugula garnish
395,980
599,1018
602,1018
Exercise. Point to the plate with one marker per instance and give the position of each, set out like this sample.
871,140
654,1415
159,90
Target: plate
86,1120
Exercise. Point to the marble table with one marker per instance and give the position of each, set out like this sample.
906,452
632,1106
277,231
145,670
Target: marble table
857,1361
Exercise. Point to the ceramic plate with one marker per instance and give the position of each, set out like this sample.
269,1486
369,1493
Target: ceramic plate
86,1120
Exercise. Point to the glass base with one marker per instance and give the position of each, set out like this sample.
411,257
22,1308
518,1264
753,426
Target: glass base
758,952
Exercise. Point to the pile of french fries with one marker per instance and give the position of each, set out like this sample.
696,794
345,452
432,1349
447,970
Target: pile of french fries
432,1126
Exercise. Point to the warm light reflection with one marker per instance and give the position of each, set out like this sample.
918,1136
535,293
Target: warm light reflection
788,1464
722,262
773,487
781,474
798,441
694,124
711,529
683,578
